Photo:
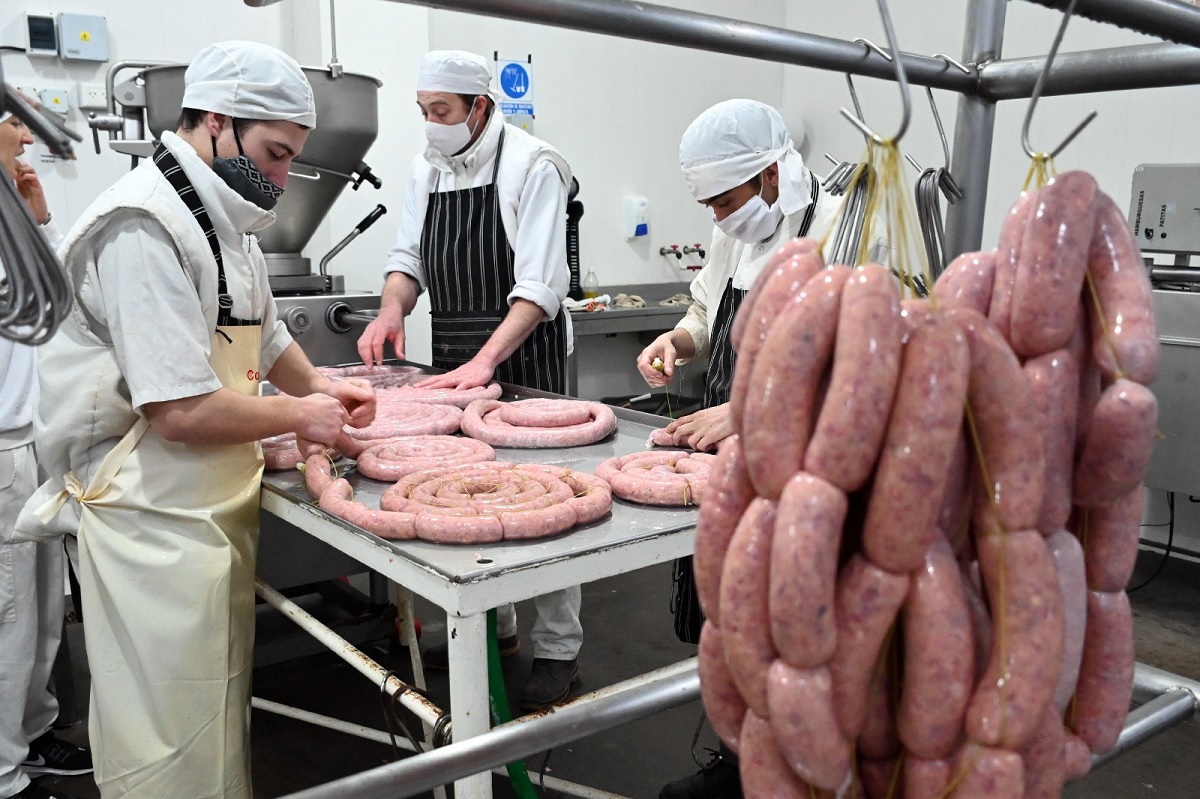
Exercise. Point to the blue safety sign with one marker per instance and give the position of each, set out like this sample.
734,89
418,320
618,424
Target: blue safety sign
514,80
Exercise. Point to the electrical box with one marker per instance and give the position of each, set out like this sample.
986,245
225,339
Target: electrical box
41,35
635,216
93,97
55,100
82,37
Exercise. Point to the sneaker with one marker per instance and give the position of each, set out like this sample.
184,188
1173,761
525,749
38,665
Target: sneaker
51,755
717,780
437,657
35,791
549,683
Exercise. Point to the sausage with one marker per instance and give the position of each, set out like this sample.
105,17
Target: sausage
968,281
658,477
537,522
318,474
1109,534
458,526
988,773
925,425
939,657
1118,446
868,599
1090,384
459,397
393,459
981,618
394,419
1052,265
777,287
723,705
660,438
880,739
1124,334
1054,383
592,497
764,772
745,586
337,500
1027,647
804,554
487,421
779,416
1077,758
866,366
1044,769
1106,676
954,518
1001,405
1008,252
801,705
926,779
727,495
544,412
1072,585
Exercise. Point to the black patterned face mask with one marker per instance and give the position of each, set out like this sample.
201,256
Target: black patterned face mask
241,175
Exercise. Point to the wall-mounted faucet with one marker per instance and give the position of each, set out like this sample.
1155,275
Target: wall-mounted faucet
672,250
694,248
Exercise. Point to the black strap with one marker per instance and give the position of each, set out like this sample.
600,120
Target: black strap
173,172
811,211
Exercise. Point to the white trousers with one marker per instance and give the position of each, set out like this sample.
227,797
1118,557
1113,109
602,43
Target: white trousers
31,618
557,633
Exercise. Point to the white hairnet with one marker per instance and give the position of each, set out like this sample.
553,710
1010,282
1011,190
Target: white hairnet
455,71
248,80
735,140
4,115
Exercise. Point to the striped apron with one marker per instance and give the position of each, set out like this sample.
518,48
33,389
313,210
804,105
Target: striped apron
469,266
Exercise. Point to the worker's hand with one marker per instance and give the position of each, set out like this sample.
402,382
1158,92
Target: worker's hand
656,364
703,430
388,326
470,375
357,397
320,419
30,188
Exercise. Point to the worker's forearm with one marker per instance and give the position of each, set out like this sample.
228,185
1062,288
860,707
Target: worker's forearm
400,293
522,317
223,417
685,346
293,373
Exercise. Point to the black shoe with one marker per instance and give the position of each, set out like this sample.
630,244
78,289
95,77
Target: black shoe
35,791
51,755
549,683
437,657
718,780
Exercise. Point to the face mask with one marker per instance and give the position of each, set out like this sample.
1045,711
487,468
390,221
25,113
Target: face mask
753,222
449,139
241,175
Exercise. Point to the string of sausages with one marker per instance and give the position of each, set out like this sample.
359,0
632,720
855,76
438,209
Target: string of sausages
538,423
470,503
912,557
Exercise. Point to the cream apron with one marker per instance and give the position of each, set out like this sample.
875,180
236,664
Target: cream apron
168,535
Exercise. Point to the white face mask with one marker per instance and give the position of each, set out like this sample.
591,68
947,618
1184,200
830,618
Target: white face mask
449,139
753,222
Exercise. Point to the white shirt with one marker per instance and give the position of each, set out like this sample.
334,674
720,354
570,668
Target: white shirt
138,297
731,258
18,378
532,189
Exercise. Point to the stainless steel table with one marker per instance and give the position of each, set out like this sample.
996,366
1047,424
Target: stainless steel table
467,581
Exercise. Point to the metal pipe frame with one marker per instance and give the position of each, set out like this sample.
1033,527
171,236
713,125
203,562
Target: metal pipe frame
1171,20
681,28
425,710
1141,66
618,704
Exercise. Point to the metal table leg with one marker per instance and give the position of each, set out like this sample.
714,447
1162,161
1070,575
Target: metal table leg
467,640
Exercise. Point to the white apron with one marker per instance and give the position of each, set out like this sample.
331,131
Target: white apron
167,540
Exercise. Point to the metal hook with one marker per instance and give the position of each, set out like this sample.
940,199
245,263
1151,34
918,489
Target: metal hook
870,45
937,120
952,62
901,79
1037,92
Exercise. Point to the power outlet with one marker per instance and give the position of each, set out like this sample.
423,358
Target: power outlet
31,92
93,96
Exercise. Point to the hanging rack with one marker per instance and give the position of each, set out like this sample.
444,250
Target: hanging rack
1037,90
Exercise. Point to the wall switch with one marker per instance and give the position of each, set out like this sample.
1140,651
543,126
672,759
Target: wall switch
93,96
